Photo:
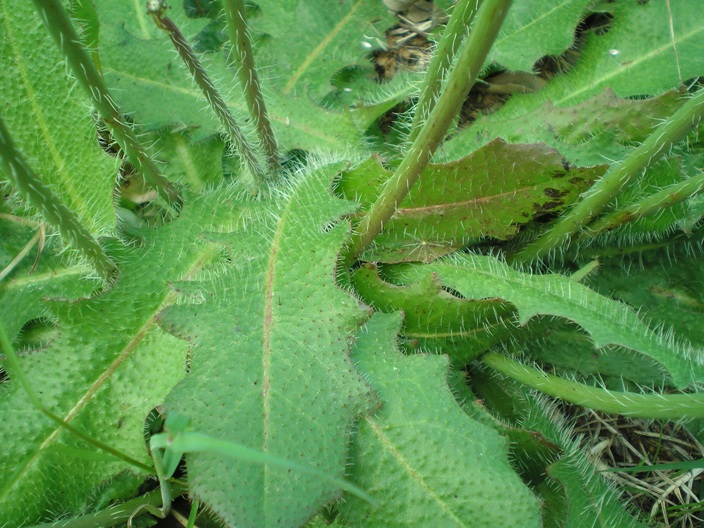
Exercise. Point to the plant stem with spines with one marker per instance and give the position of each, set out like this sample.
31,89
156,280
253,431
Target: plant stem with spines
241,45
39,196
682,122
211,94
89,78
471,58
117,514
667,197
457,28
635,405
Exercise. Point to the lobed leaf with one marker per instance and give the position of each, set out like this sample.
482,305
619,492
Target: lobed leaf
535,29
665,284
23,290
150,84
270,368
608,322
435,319
575,493
488,194
107,366
637,56
602,128
421,456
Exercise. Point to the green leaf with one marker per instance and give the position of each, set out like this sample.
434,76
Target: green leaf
270,368
56,133
458,475
490,193
108,366
199,165
637,56
600,129
567,346
608,322
535,29
666,285
151,84
435,319
307,41
22,291
661,174
589,499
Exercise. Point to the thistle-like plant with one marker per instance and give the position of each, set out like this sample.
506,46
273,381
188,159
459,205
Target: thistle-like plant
240,239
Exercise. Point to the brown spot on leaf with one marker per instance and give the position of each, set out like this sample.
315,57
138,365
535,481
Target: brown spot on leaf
554,193
548,206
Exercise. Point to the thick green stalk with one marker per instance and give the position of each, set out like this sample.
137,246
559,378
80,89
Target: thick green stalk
206,86
16,371
673,130
64,34
655,406
658,201
239,38
457,28
39,196
471,58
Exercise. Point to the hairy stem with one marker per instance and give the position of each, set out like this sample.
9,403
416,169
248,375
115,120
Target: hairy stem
471,58
654,203
114,515
39,196
241,44
457,28
211,94
595,199
655,406
14,363
89,78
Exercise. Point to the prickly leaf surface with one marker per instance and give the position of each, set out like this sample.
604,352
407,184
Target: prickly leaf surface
55,133
433,318
270,369
533,30
457,475
490,193
107,366
607,321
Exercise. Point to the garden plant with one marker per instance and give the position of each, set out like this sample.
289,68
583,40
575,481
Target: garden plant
335,263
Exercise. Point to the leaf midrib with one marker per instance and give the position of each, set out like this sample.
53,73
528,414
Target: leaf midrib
319,49
283,120
407,467
624,70
40,117
169,297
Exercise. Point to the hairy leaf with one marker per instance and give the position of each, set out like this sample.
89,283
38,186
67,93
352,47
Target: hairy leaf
587,498
435,319
328,36
638,55
608,322
458,475
598,130
270,367
56,133
107,367
22,291
490,193
666,285
150,83
534,29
